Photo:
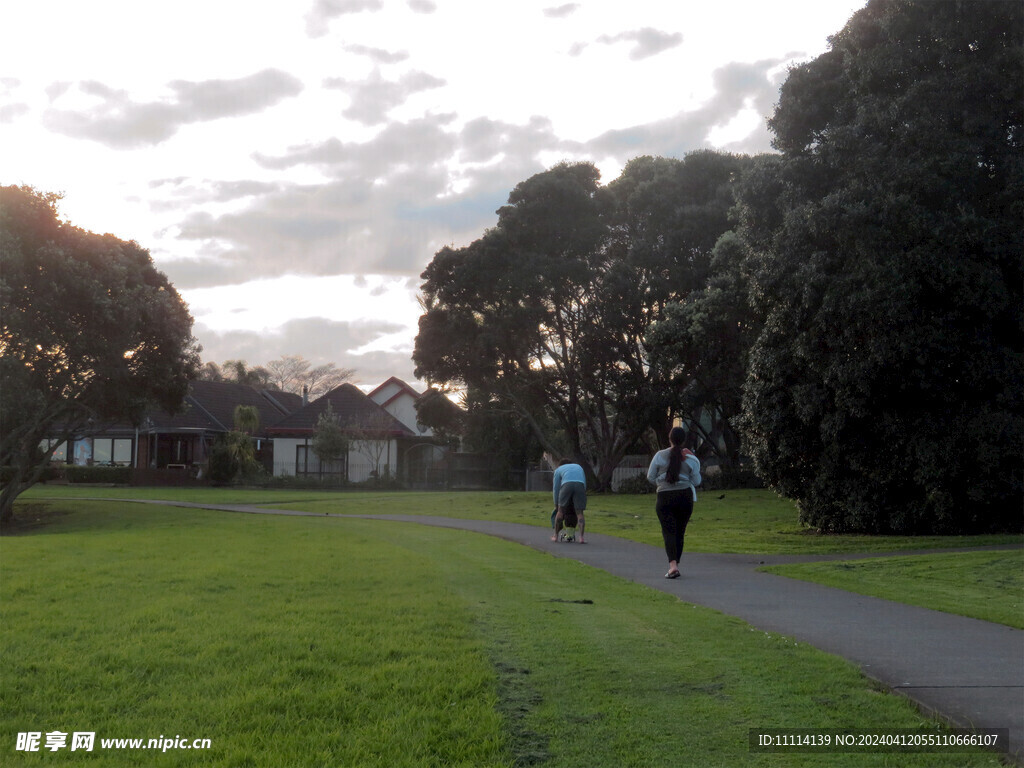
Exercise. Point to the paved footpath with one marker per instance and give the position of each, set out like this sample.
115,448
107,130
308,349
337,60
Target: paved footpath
971,672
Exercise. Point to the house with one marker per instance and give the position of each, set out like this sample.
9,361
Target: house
385,438
399,399
376,443
180,441
427,462
184,439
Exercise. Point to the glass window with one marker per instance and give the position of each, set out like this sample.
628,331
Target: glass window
101,450
122,452
61,454
307,463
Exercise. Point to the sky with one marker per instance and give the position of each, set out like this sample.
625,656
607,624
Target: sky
294,167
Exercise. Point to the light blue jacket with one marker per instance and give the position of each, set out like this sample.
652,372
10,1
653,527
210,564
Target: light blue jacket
689,472
567,473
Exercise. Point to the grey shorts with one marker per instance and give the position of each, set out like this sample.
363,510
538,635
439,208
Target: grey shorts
575,494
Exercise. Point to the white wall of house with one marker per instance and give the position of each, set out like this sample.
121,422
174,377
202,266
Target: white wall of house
402,407
360,463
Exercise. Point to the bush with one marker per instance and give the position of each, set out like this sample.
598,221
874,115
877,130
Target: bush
112,475
53,472
636,484
730,479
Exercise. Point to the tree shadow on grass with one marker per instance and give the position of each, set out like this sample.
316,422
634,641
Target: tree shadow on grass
33,517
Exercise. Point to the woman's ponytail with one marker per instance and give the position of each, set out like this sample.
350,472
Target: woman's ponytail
675,459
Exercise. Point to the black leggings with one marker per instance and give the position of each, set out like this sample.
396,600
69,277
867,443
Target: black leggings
674,509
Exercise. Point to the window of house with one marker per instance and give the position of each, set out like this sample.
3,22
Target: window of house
115,451
308,463
61,454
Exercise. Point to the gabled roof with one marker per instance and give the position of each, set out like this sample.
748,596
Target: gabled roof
402,387
352,408
210,406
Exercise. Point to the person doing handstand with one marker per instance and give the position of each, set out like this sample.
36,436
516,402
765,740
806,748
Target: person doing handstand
569,486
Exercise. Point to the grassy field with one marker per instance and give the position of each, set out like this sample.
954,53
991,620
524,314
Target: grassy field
982,585
342,642
727,521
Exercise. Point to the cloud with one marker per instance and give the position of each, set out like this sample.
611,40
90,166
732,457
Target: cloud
738,87
378,55
388,205
374,97
561,11
120,123
10,112
319,17
319,341
422,6
647,41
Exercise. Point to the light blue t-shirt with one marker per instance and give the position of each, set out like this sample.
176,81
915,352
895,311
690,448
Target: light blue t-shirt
567,473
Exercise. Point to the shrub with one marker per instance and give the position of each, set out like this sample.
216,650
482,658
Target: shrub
730,479
636,484
112,475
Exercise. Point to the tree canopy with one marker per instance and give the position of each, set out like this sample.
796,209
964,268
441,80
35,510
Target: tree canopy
547,312
91,332
883,389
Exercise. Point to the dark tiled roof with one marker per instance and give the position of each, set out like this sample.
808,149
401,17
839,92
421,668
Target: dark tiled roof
351,406
210,405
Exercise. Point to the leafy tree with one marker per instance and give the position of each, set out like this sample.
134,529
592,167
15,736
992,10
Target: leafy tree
247,419
703,343
239,372
492,427
669,215
210,372
547,312
233,454
883,390
445,418
91,332
330,441
506,314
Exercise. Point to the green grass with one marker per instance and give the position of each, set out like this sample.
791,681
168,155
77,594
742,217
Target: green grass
982,585
343,642
743,521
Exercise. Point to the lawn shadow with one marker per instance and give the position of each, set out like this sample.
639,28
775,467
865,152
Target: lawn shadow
33,517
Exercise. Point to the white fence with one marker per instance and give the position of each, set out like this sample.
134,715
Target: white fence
540,479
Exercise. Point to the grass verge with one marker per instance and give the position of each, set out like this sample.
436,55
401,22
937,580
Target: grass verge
742,521
982,585
319,641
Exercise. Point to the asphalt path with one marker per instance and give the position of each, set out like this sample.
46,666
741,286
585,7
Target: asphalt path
967,671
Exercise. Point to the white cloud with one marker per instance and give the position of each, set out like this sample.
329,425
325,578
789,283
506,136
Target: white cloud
299,147
118,121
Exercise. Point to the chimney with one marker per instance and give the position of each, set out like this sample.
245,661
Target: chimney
305,395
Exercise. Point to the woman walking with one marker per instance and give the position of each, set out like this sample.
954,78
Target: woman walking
676,472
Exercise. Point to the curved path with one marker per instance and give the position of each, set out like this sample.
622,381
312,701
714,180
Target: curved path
971,672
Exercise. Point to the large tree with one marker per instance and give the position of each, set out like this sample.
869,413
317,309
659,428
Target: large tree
884,389
547,312
91,332
507,314
683,288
